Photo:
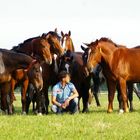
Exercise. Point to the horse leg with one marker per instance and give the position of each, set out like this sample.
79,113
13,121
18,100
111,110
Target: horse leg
85,96
130,95
122,83
136,90
119,97
96,89
13,83
111,92
24,90
45,92
29,97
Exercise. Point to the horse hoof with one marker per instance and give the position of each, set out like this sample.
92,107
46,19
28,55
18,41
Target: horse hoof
109,111
39,114
121,111
126,110
24,113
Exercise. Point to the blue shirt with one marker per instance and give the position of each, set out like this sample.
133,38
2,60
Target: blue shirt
61,93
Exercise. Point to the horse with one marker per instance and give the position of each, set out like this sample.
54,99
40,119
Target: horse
38,47
41,47
97,76
130,86
117,64
67,42
9,62
72,63
38,101
24,78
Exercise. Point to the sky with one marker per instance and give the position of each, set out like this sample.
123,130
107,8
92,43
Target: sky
87,20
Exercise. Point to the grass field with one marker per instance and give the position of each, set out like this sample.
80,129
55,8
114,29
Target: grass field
95,125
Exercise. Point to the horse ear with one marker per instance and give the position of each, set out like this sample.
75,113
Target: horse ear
47,36
86,44
62,34
55,30
83,48
69,33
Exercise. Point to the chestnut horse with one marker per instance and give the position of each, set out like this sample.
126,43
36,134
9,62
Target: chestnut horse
117,64
32,76
99,80
67,42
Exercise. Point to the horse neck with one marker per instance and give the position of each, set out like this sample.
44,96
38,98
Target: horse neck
107,52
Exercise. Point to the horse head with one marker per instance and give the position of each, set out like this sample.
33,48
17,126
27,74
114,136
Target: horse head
66,62
34,72
67,42
99,51
54,41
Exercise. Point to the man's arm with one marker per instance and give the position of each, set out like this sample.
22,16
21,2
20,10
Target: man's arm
74,95
54,101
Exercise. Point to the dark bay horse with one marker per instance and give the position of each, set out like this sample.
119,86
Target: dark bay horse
9,62
72,62
42,48
97,76
118,66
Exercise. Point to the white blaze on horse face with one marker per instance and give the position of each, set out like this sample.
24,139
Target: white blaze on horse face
67,67
64,42
55,64
40,69
55,56
2,66
89,51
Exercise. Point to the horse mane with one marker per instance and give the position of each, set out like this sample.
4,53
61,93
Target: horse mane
105,39
16,48
53,34
30,39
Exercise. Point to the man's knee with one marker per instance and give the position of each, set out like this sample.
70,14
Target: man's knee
54,108
75,100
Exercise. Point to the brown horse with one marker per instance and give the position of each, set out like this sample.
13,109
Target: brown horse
72,62
22,77
118,66
9,62
39,47
67,42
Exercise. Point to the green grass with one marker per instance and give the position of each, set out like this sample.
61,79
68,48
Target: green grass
95,125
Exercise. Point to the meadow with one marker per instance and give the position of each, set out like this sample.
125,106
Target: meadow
95,125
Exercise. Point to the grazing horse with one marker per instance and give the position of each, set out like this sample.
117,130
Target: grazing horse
72,62
67,42
9,62
118,66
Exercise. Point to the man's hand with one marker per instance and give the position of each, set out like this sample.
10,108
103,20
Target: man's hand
65,104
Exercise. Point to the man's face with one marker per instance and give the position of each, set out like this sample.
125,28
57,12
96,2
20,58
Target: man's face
67,78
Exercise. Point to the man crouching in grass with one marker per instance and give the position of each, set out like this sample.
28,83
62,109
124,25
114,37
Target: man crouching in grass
64,95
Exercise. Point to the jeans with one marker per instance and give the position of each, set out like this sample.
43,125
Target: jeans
72,108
